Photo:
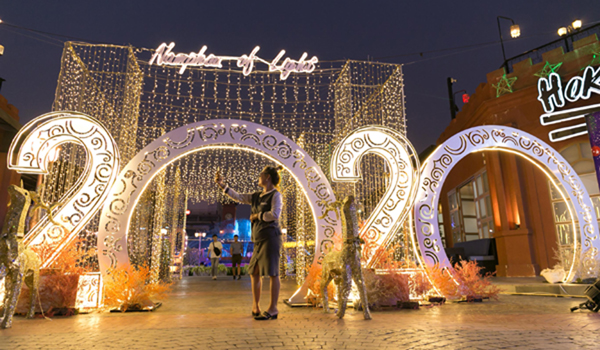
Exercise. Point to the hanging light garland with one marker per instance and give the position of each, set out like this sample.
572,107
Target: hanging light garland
138,102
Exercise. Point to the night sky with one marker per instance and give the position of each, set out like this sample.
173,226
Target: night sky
329,30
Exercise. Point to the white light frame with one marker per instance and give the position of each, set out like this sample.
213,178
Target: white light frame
214,134
438,165
89,291
31,151
395,205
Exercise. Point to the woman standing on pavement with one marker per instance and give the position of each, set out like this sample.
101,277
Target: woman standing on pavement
266,235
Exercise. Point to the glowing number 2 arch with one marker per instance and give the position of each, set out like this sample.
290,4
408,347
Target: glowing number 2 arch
439,164
225,133
29,153
403,164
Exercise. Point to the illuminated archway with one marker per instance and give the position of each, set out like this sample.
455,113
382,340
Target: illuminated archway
485,138
224,133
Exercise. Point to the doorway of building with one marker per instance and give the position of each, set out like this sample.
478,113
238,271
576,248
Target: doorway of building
471,209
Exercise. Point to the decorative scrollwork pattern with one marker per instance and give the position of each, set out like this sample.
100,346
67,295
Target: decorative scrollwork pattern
89,291
29,153
387,217
439,164
139,172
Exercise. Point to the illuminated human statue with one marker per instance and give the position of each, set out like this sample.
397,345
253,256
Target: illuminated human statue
344,266
20,263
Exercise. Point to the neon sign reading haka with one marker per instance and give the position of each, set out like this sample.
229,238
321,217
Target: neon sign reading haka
552,94
165,56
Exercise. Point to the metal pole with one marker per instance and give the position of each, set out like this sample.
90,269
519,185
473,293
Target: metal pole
502,44
502,40
450,81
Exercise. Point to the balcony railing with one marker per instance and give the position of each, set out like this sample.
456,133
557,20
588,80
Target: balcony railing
566,42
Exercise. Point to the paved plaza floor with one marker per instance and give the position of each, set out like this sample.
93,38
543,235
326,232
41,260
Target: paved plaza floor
206,314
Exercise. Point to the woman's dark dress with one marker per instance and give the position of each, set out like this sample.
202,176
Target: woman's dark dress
266,236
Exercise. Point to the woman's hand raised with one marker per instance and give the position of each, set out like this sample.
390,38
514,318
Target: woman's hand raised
219,179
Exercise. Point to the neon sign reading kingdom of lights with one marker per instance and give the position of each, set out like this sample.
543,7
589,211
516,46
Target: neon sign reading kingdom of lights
164,56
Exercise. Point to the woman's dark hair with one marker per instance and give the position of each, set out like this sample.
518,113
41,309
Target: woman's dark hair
273,172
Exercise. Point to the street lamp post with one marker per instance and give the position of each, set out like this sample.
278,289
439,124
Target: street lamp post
563,31
515,32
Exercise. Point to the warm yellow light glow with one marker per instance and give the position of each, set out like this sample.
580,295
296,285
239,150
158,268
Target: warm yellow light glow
298,244
576,24
504,139
562,31
386,219
564,198
89,291
38,144
54,154
2,290
515,31
160,153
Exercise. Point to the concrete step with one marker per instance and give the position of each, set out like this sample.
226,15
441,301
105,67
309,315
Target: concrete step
538,286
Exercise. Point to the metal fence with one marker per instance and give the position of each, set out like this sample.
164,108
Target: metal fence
566,42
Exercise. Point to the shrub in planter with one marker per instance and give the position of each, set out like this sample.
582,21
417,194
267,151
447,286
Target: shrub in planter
243,270
187,270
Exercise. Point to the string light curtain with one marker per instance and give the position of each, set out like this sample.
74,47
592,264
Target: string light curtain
138,102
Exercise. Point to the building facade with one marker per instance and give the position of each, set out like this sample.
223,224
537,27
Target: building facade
9,126
500,195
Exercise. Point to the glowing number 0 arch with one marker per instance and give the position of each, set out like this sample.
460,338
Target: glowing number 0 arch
403,164
231,134
439,164
29,153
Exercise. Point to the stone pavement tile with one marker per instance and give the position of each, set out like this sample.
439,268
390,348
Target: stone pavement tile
215,316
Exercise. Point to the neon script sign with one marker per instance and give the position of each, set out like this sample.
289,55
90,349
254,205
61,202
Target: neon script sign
165,56
552,95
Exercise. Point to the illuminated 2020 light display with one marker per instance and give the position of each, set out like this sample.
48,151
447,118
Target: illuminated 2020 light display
402,177
141,104
120,203
138,102
503,139
30,153
224,133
